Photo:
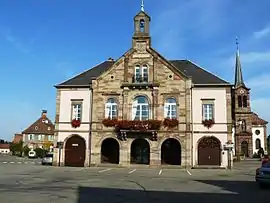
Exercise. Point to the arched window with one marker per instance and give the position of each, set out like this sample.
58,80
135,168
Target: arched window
111,109
170,108
142,25
141,73
140,108
244,101
258,143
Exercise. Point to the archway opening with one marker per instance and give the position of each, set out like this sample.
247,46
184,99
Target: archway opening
209,151
171,152
110,151
75,151
244,148
140,152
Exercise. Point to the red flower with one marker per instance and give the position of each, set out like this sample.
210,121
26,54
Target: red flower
109,122
208,123
170,123
75,123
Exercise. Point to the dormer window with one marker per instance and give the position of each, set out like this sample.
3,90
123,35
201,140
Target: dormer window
142,25
141,73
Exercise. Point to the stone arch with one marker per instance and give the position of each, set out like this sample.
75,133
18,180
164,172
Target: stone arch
171,151
110,150
75,147
209,151
140,151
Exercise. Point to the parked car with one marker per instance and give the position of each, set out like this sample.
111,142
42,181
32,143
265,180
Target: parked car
47,159
32,154
263,175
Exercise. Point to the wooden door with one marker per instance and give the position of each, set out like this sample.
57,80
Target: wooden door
209,152
75,151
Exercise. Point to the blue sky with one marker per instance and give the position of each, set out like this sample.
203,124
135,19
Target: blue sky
46,42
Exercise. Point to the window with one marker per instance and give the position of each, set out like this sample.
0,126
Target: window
77,111
50,137
239,101
244,101
141,73
257,132
142,25
258,143
140,108
30,137
208,111
111,109
170,108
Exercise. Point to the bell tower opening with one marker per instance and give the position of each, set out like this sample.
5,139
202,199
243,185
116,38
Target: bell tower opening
141,28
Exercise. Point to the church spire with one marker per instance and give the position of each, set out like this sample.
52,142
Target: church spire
142,6
238,69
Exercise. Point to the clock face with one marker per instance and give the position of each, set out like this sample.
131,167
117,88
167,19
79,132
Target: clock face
241,91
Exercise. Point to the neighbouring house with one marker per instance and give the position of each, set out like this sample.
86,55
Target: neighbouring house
40,133
144,109
17,138
4,148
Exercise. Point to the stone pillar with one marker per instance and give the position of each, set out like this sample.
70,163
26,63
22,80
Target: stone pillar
155,104
155,156
125,109
124,154
87,158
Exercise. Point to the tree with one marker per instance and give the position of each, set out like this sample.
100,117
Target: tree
16,148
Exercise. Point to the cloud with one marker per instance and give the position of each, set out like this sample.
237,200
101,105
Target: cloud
255,57
260,82
9,37
185,21
262,33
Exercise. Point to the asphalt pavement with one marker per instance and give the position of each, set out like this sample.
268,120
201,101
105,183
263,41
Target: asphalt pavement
34,183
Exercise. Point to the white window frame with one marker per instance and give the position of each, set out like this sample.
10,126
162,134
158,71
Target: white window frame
30,137
208,111
168,109
138,107
77,111
141,71
111,110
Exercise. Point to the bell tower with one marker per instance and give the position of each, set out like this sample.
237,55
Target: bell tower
242,114
141,28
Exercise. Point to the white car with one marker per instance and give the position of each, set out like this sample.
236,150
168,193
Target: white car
32,154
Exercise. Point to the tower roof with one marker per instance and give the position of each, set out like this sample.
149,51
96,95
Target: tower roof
239,81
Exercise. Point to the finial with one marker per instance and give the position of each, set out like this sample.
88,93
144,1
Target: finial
142,6
237,43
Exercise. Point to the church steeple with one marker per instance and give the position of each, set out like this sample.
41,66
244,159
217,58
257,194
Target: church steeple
239,81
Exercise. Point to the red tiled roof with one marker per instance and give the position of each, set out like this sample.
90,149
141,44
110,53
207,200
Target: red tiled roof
4,146
256,120
42,126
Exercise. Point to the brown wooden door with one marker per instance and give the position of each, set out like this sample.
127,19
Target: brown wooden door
209,152
75,151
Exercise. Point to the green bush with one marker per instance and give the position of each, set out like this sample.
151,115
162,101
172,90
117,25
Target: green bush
40,152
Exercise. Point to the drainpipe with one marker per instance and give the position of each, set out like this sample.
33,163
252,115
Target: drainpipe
90,124
191,117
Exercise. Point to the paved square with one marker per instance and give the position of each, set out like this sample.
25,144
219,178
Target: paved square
34,183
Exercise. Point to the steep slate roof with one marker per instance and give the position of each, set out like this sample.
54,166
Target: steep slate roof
85,78
256,120
199,76
40,127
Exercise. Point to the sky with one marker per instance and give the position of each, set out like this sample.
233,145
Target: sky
45,42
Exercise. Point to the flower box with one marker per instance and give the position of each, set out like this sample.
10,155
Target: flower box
75,123
170,123
208,123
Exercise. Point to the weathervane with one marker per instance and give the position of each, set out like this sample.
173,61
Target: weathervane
142,6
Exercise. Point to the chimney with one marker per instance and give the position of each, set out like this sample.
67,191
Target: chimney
44,113
110,59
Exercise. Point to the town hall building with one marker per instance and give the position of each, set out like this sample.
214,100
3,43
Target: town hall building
145,109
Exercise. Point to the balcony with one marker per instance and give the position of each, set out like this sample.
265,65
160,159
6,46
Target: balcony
140,82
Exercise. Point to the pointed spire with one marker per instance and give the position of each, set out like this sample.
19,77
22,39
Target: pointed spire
238,69
142,6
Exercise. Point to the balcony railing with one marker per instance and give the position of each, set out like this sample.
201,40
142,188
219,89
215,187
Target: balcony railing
140,79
